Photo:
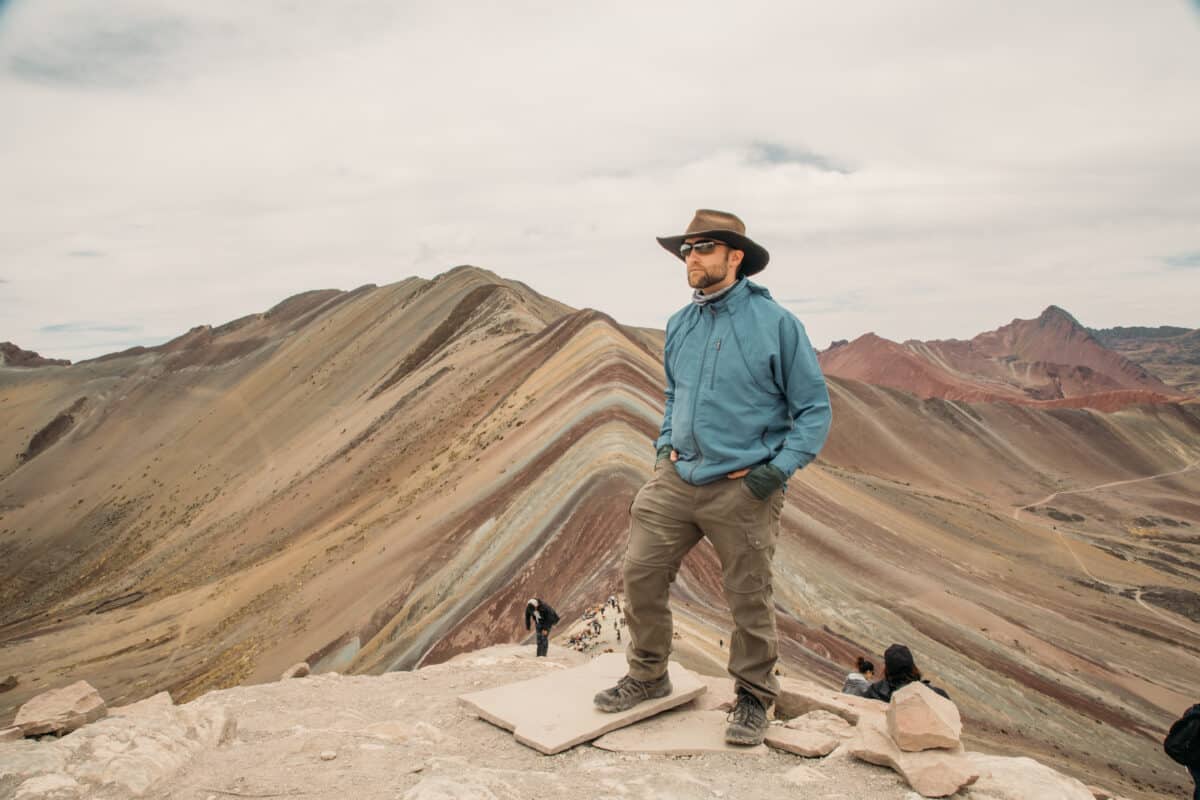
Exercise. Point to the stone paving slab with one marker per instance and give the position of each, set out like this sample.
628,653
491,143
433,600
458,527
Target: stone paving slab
554,712
686,732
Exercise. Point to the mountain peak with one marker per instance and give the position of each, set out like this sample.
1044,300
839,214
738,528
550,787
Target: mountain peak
1057,314
13,356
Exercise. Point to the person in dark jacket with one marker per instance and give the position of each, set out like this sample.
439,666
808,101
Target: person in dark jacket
542,616
899,671
1183,745
859,681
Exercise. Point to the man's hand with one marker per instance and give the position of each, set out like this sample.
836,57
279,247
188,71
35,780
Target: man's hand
666,451
763,480
741,473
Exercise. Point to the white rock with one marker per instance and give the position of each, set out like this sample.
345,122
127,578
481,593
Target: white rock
50,787
61,710
933,773
1003,778
448,789
810,744
797,698
151,706
328,755
297,670
132,753
919,718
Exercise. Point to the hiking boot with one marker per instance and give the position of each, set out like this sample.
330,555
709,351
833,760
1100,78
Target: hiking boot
747,720
629,691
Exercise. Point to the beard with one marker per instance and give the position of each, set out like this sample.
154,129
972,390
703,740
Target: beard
711,277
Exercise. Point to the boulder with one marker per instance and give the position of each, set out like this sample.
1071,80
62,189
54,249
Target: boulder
797,697
297,670
813,735
151,706
61,711
8,683
1004,778
822,722
810,744
919,718
933,773
128,754
50,787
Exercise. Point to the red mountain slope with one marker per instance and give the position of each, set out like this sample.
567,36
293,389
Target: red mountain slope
1051,360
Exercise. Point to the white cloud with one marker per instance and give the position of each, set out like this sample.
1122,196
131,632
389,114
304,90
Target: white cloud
919,169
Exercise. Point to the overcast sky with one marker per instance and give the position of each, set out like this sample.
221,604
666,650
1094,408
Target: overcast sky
916,169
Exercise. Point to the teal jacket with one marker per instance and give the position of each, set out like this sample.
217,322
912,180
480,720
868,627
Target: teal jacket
743,387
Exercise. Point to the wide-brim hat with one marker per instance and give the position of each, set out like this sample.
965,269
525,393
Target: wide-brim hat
722,227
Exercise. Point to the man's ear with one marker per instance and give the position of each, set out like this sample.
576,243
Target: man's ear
735,258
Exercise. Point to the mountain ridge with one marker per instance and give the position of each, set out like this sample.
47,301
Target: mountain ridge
207,523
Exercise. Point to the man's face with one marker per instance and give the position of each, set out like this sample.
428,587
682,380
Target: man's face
706,270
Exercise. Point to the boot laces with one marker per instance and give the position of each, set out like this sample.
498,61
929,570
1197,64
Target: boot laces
746,710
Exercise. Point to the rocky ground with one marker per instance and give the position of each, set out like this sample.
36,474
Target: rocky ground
399,735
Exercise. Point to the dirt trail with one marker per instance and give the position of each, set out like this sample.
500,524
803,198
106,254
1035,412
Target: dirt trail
1119,587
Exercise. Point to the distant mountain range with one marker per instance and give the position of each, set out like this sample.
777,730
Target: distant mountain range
375,479
1050,361
1170,352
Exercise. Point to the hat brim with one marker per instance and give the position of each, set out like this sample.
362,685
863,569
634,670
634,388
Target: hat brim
756,255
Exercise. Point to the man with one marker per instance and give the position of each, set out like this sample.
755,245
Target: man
543,616
746,407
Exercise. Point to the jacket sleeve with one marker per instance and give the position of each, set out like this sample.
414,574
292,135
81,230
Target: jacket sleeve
664,432
803,386
528,616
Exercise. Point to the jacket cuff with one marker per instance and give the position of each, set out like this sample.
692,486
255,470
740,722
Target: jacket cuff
788,461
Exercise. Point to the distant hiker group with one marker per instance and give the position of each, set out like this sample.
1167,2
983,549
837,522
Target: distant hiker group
596,618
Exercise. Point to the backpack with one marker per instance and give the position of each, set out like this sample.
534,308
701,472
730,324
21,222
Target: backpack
1183,740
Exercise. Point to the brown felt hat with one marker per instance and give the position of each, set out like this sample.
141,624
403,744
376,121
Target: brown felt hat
722,227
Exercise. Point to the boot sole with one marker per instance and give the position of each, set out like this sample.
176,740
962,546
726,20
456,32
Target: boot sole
744,738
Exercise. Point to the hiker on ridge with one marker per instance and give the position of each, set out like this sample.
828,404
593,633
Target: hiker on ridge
746,407
899,671
859,681
543,616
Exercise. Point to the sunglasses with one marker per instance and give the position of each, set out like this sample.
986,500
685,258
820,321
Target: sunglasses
703,247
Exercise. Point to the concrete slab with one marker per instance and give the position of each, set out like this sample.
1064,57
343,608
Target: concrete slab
685,732
554,712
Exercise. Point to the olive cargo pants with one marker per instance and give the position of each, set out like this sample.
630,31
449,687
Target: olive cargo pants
669,517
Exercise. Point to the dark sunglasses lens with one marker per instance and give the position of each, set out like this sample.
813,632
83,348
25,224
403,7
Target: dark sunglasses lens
703,248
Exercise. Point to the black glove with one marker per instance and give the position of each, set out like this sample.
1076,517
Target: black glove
764,479
663,452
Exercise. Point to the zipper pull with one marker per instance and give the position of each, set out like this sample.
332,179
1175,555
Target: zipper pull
718,345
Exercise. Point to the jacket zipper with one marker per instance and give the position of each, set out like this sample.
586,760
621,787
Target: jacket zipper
696,398
712,384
